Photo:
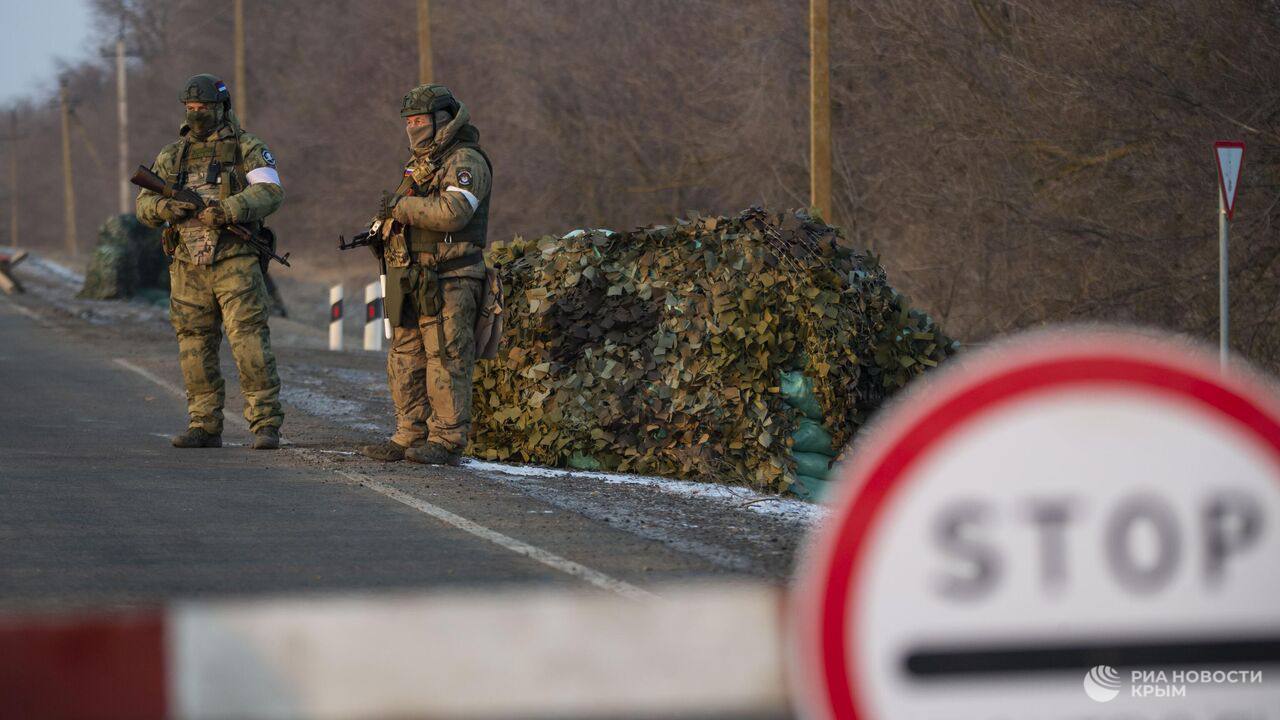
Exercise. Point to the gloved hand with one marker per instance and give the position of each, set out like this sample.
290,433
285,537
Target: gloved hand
174,211
214,216
386,204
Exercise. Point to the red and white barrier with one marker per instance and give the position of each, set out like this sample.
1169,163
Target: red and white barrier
696,651
9,259
335,317
373,316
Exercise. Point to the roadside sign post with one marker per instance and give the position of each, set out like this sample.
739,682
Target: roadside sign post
1224,294
1230,156
1069,525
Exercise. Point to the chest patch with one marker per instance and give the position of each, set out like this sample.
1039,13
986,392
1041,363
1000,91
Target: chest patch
464,177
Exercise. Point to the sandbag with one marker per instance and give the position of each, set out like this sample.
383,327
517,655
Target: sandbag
797,390
807,487
810,437
812,464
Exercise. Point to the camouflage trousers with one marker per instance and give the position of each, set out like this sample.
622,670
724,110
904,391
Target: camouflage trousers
203,299
429,369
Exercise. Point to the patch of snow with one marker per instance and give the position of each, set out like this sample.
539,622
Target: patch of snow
55,269
733,496
347,412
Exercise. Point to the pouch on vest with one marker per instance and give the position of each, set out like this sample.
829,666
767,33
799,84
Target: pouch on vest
490,317
423,285
397,248
169,239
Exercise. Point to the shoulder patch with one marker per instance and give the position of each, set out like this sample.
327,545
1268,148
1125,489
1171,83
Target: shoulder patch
464,177
268,157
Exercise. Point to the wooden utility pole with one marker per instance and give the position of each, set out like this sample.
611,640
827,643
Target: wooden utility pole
424,42
122,126
13,178
819,109
240,91
68,190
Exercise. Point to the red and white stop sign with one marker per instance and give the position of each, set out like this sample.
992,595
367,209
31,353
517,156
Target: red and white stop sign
1083,524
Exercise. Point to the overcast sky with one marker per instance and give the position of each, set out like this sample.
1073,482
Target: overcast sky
32,36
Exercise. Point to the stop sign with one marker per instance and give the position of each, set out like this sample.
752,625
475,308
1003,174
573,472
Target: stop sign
1083,524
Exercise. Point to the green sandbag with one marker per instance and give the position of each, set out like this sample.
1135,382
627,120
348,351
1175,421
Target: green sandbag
797,390
812,464
811,437
807,487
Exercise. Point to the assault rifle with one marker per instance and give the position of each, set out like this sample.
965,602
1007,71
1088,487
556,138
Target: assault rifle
372,238
148,180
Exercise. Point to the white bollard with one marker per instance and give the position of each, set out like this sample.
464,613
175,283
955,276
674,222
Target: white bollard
335,317
373,316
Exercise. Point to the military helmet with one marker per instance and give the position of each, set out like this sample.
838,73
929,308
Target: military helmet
428,99
205,88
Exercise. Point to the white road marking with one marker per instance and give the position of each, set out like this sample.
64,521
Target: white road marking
28,312
519,547
174,390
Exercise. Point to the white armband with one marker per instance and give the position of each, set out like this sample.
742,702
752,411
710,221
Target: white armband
263,175
466,194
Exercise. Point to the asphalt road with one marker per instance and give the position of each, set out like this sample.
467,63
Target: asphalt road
97,509
98,512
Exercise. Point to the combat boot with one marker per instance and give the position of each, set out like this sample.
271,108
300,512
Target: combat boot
268,438
197,437
433,454
389,451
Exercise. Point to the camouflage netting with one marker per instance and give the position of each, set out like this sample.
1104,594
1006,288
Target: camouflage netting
663,350
127,260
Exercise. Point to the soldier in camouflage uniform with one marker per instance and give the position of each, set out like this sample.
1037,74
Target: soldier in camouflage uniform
435,271
216,280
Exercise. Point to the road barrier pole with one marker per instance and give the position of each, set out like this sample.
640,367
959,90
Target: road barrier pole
373,316
335,317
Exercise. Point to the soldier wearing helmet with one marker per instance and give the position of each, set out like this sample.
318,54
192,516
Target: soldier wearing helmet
216,280
435,272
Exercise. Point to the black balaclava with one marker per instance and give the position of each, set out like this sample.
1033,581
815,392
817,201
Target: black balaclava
203,122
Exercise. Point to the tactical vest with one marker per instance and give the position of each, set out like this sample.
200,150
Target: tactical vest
214,170
476,231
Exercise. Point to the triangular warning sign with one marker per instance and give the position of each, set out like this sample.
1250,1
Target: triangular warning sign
1230,155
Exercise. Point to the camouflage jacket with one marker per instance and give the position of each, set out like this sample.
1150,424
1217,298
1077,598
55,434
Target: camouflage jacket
247,186
451,181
